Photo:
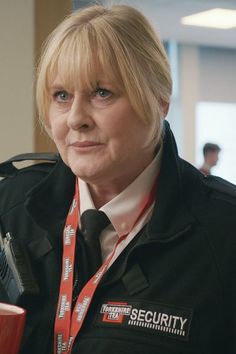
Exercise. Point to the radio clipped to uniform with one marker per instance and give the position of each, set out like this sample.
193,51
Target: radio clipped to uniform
16,275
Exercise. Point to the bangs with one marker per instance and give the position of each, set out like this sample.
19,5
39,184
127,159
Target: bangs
89,59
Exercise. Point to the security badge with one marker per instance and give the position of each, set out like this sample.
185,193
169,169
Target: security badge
146,316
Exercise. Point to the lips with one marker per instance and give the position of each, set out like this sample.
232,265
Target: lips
84,144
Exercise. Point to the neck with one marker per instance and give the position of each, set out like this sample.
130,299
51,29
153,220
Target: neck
206,166
105,191
103,194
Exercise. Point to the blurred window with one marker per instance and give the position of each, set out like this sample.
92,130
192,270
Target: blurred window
216,123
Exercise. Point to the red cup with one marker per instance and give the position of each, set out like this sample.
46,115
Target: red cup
12,321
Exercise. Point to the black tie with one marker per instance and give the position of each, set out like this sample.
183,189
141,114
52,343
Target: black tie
92,223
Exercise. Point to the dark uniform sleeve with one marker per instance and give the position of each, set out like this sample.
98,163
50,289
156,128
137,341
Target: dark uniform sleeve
10,194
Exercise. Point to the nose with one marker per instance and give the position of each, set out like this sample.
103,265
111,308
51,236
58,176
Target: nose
79,116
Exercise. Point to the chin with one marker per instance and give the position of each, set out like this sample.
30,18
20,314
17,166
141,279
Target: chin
77,171
86,175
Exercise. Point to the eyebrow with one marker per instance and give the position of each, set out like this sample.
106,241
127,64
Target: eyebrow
57,84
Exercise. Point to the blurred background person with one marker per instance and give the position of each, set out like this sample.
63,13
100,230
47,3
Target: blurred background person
211,156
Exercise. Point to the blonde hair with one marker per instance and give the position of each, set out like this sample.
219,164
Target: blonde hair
121,41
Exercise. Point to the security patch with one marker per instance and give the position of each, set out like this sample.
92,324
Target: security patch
146,316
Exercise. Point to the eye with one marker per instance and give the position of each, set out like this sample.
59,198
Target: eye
61,96
103,93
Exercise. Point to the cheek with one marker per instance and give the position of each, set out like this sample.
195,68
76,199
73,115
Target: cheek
119,123
58,128
54,123
126,132
58,133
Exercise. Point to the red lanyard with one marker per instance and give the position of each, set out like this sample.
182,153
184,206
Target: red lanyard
68,323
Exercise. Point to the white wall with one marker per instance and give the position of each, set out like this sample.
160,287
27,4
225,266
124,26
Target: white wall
16,77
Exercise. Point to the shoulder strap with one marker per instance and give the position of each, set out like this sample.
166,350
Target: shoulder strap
7,169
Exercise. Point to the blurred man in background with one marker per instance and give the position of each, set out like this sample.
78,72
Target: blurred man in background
211,156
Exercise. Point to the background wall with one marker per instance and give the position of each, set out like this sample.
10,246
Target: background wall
24,25
16,77
217,74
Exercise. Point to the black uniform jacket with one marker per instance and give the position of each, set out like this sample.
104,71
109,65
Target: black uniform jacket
171,291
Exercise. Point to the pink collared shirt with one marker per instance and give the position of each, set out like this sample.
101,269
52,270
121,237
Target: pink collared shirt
123,210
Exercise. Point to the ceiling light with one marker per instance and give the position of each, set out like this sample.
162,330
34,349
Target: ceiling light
215,18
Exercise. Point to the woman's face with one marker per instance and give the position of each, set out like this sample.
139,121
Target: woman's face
98,134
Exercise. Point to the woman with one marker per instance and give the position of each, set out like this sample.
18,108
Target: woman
164,280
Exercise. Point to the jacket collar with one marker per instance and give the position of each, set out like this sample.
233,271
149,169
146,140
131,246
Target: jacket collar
171,216
49,201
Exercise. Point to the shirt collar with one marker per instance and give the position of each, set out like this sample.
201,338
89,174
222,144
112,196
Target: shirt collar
124,209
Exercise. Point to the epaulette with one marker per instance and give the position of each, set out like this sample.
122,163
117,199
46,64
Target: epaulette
7,168
220,185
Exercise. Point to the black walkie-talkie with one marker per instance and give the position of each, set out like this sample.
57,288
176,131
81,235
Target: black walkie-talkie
16,275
